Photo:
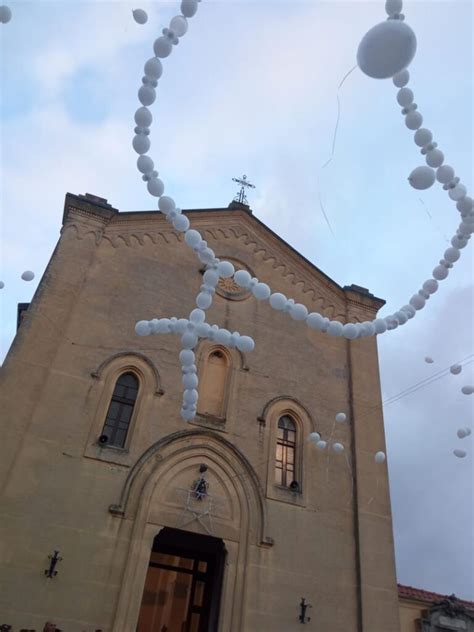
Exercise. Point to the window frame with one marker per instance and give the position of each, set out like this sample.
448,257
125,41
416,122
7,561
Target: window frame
122,402
288,446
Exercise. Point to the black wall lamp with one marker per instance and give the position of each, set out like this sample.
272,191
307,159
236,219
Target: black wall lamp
54,559
303,607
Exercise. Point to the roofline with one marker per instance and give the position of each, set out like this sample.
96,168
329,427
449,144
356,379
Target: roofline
429,597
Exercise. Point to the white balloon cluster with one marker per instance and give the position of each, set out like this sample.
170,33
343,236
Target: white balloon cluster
315,438
385,51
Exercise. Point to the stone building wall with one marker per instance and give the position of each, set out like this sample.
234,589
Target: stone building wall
101,507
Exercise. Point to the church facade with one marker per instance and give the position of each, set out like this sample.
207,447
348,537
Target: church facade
117,515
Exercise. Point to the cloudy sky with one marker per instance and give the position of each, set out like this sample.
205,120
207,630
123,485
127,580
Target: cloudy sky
252,89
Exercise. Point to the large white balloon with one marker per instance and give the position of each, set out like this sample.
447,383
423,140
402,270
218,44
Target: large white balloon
187,357
204,300
153,69
430,286
243,278
142,328
197,316
335,328
422,178
155,186
350,331
434,158
452,254
181,223
278,301
189,340
192,238
140,16
298,311
141,143
413,120
440,272
401,79
404,97
162,47
245,344
387,49
179,25
225,269
315,321
28,275
444,174
143,117
423,137
189,8
261,291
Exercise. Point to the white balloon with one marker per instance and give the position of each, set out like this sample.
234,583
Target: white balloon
192,238
242,278
261,291
430,286
197,316
417,301
204,300
452,254
401,78
321,445
146,95
458,193
440,273
315,321
163,326
28,275
458,243
338,448
444,174
401,316
143,117
423,137
379,457
166,204
189,8
462,434
203,330
467,390
387,49
140,16
225,269
409,310
142,328
314,437
189,340
145,164
190,396
468,431
190,380
459,453
298,311
335,328
187,415
393,7
435,158
350,331
206,255
341,417
181,223
162,47
155,187
245,344
429,360
141,143
222,337
179,25
211,278
187,357
380,326
421,178
181,325
455,369
278,301
413,120
404,97
465,205
2,285
5,14
153,69
367,328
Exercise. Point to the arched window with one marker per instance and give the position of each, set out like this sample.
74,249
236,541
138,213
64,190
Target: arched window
120,411
285,451
213,384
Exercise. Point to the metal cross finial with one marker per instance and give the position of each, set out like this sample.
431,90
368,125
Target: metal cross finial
241,197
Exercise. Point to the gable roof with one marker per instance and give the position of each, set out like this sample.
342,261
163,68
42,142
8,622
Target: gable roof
428,597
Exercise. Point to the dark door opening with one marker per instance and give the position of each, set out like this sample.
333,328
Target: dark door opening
183,583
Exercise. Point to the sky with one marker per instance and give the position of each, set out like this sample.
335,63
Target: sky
252,89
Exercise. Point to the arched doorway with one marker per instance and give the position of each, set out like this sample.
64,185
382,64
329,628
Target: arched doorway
183,583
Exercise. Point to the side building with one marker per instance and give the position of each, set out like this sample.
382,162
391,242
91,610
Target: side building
233,522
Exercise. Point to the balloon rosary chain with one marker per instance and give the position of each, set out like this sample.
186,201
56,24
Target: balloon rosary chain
375,59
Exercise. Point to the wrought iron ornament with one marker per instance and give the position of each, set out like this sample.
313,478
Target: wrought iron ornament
241,197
